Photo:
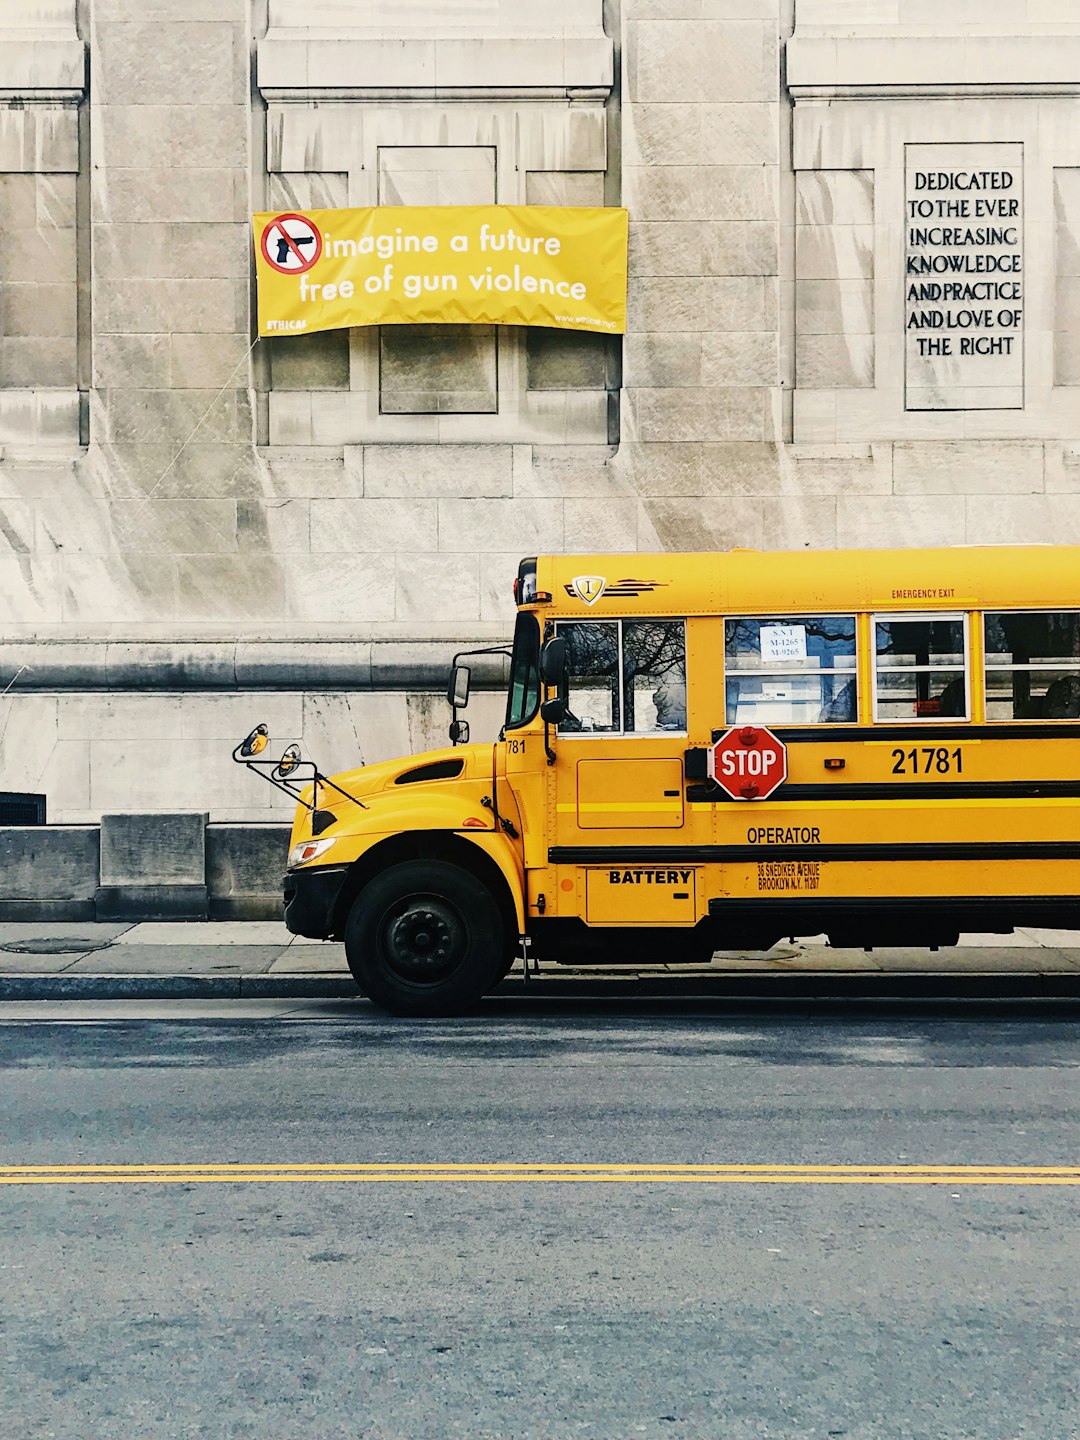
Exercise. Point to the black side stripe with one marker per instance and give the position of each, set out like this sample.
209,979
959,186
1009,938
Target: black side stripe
623,855
922,732
709,794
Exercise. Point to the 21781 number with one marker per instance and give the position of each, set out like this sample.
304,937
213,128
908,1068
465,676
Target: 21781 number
926,760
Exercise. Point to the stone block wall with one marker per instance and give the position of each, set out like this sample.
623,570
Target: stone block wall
199,531
143,867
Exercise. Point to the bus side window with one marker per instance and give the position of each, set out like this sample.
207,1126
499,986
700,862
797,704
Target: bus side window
920,667
626,676
1033,665
654,675
592,648
791,670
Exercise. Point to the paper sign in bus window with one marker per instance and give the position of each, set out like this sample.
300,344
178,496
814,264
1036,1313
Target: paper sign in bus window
782,643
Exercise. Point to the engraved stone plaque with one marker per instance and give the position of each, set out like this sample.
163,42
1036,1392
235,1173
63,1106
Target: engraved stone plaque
963,277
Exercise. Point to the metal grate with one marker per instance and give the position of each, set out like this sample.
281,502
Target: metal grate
19,808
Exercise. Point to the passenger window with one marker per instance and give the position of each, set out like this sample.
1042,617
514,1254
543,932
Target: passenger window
791,670
593,664
654,675
626,676
920,668
1033,666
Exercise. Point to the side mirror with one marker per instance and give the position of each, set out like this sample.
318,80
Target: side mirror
290,759
554,712
255,743
553,661
457,691
459,732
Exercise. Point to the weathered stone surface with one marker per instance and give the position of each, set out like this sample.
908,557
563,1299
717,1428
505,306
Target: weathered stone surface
955,468
652,361
357,526
242,587
447,471
838,361
1051,519
527,526
154,306
50,863
714,525
573,471
119,717
667,414
919,521
437,586
566,360
740,358
666,248
664,134
144,137
708,60
276,526
161,848
663,303
702,192
744,248
601,525
135,63
736,413
363,589
244,865
206,248
564,187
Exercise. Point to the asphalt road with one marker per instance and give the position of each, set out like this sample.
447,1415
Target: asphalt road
698,1301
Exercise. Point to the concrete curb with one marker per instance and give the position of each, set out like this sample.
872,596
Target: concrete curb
176,987
861,986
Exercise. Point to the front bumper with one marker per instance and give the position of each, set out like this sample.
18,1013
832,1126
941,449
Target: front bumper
311,897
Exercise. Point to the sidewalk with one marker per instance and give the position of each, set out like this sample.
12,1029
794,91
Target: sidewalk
180,960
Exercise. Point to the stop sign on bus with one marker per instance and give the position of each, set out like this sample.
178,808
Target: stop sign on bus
748,762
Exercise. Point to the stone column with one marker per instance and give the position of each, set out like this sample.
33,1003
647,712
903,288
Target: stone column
170,466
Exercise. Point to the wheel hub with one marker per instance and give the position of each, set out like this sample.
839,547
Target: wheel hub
425,941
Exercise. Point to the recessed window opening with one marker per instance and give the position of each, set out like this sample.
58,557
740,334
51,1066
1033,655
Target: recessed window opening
920,667
790,670
1032,665
627,677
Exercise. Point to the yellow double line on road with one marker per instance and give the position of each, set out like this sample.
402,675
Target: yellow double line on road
494,1173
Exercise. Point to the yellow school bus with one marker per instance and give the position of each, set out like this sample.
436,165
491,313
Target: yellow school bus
918,715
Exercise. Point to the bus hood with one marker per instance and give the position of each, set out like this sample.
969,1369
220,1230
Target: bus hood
457,762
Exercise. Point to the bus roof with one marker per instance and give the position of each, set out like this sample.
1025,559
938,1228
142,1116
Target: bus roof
993,577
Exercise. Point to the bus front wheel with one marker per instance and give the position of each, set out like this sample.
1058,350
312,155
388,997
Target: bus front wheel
426,938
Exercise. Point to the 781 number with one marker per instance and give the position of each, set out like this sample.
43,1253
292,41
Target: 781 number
926,760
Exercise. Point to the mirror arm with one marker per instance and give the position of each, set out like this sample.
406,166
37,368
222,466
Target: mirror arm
320,778
261,768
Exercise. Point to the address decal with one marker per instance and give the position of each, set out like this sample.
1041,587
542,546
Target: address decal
788,875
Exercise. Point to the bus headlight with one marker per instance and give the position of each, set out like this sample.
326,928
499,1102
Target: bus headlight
308,850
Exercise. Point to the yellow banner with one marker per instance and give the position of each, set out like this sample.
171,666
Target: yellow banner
443,264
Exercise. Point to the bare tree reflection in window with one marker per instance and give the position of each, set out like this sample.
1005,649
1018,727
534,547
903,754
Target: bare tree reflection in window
593,665
654,674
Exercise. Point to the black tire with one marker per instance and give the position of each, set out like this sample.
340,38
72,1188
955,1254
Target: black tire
426,938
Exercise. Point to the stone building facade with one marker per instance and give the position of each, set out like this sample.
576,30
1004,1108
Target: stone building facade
854,319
